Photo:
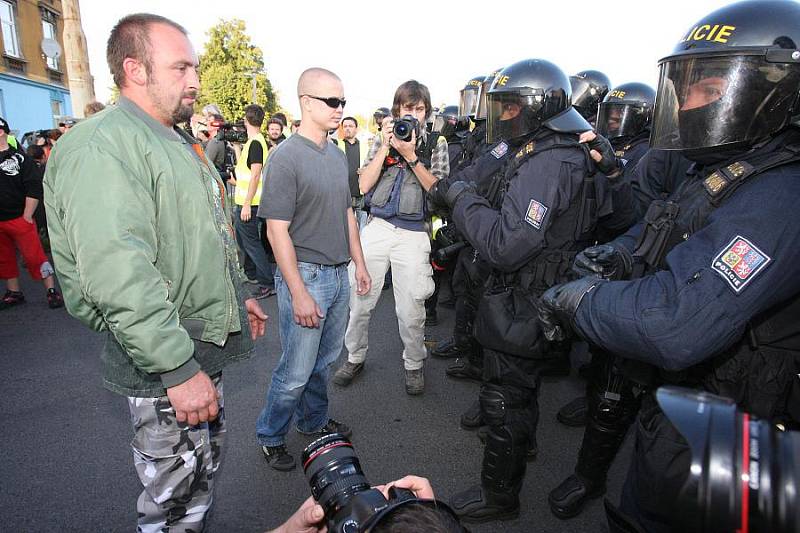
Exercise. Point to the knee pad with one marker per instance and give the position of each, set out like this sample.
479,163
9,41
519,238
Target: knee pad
493,404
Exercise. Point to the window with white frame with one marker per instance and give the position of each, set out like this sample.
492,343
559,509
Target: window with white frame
8,21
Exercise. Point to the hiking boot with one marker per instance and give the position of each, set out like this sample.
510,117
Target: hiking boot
569,498
447,349
11,298
573,414
463,369
478,504
344,376
278,458
415,382
54,299
331,427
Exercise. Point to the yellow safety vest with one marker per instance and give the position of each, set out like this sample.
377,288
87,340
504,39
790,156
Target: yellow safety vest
243,173
363,148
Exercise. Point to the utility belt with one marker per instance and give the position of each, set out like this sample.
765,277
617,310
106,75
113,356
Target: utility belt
507,317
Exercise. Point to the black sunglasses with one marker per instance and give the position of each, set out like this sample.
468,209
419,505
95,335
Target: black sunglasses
332,101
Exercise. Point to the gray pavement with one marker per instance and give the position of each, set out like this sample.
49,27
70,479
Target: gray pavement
67,465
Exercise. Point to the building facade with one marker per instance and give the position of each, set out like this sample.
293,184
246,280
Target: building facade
34,87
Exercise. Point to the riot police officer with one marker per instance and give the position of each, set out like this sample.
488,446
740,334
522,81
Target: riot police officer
589,88
528,232
454,127
712,295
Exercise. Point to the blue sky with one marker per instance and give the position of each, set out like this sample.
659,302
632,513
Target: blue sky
367,44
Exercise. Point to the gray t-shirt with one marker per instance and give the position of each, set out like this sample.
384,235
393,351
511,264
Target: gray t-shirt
307,186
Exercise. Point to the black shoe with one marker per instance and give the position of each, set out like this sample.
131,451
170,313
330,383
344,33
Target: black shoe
331,427
568,499
573,414
530,453
54,299
278,458
431,319
463,369
11,298
478,505
472,419
447,349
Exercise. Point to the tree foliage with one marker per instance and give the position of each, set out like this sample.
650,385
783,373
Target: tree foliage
227,66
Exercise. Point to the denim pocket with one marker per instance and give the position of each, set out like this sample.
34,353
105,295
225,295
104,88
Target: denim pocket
309,272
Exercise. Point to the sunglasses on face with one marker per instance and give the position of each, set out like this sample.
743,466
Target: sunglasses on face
332,101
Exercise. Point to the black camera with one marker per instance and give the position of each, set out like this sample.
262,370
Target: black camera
339,485
233,132
406,127
744,472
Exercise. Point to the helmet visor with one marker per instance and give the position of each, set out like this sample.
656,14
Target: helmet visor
584,94
468,103
480,114
510,115
617,119
705,102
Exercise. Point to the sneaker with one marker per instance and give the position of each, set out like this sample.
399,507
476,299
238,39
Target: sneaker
11,298
54,299
331,427
344,376
264,292
278,458
415,382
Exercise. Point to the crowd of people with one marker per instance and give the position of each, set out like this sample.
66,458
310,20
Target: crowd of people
655,226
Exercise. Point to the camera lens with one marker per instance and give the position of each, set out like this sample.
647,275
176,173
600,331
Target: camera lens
403,129
744,473
333,472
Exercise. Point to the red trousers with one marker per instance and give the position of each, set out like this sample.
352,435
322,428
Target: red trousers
22,235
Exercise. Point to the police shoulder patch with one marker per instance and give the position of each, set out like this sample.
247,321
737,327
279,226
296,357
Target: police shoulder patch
739,262
500,150
535,214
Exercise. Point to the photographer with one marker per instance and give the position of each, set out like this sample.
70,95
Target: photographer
398,171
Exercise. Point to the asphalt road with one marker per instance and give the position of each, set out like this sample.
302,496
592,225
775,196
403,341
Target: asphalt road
67,464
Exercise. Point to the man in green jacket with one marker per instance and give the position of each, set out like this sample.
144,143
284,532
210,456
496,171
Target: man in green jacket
144,248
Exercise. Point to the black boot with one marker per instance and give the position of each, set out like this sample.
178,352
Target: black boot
462,368
497,497
447,349
472,418
567,500
573,414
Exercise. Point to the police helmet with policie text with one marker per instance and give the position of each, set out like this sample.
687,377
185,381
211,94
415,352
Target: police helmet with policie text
732,81
626,111
528,95
468,101
480,114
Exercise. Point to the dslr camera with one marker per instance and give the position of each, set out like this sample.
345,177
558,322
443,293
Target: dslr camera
233,132
745,472
406,127
351,505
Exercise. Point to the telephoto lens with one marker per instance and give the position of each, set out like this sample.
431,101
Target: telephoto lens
339,485
744,471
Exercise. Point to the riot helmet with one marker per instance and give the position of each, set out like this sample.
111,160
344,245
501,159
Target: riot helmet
732,81
528,95
626,111
468,102
589,87
480,113
380,114
449,123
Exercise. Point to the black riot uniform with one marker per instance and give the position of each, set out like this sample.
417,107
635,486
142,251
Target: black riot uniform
712,296
543,211
589,87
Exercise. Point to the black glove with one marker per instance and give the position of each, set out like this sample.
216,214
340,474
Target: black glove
558,305
604,261
443,194
608,165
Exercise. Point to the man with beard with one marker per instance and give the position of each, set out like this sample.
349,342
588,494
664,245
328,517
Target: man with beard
144,248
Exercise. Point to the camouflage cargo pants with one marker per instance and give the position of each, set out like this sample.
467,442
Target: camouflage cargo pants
176,464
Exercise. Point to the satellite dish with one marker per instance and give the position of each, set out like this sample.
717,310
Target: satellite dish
51,48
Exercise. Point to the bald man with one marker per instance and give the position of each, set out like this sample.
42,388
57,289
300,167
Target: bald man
314,235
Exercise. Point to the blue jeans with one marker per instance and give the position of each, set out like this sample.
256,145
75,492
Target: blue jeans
248,236
299,386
